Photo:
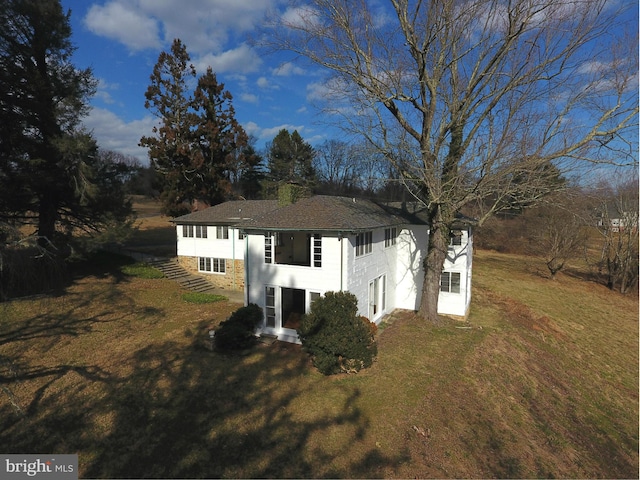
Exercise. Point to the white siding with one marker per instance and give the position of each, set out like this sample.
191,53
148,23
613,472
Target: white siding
412,248
232,247
459,260
363,269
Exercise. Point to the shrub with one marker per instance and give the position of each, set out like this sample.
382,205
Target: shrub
237,332
337,339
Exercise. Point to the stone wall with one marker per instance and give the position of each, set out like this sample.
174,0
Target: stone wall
227,281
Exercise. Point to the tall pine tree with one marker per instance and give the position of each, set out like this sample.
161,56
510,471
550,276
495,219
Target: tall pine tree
48,170
198,148
170,151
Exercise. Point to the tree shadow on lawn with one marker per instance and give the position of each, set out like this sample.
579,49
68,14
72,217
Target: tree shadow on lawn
191,413
34,376
173,409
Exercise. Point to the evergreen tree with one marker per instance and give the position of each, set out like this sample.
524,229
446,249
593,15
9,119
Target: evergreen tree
290,159
198,148
170,149
219,142
48,169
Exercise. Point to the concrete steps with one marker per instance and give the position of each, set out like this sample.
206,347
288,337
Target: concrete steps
173,271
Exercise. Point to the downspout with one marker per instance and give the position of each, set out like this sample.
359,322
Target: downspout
247,285
341,259
233,256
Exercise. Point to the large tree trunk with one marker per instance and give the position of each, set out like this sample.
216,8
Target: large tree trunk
433,263
47,218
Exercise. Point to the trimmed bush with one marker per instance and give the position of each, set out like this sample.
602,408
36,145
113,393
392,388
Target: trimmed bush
337,339
237,332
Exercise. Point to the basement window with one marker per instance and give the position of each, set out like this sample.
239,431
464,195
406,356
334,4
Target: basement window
212,265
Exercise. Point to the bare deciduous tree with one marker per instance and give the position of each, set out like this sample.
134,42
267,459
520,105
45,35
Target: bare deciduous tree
618,227
557,229
472,100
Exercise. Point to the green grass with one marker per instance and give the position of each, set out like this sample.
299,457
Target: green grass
200,298
141,270
544,384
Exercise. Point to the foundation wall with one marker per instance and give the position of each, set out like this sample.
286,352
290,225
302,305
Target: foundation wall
233,279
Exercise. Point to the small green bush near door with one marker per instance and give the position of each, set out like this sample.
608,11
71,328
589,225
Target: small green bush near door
337,339
237,332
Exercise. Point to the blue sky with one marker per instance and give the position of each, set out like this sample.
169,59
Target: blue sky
121,40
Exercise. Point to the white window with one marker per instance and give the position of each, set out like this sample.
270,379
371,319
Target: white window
187,231
390,235
222,232
201,231
212,265
364,241
313,296
456,238
268,251
377,296
317,250
270,306
450,282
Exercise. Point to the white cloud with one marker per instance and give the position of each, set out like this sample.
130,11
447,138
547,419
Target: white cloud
267,134
113,133
300,17
240,60
104,89
124,24
287,69
270,133
204,26
249,97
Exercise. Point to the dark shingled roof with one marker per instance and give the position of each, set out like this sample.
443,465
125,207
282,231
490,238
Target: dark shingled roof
323,212
228,213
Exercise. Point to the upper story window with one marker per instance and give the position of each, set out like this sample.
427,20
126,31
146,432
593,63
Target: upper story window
456,238
222,232
201,231
293,248
197,231
364,242
187,230
390,235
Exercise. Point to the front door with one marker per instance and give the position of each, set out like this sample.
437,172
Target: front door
293,307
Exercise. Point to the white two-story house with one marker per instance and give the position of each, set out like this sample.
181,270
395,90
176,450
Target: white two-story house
292,254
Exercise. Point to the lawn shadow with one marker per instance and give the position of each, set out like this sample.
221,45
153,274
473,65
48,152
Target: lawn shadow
192,413
33,376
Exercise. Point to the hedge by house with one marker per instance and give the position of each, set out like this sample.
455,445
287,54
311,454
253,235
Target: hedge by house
337,339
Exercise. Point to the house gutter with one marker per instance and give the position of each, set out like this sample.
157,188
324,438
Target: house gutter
233,255
247,285
341,260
